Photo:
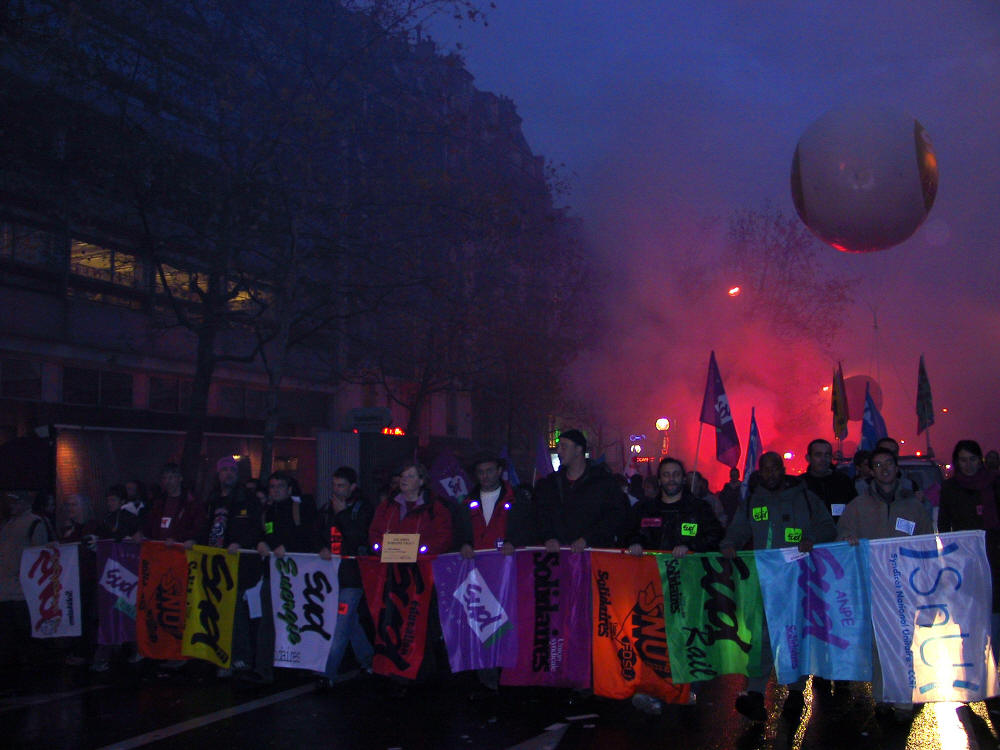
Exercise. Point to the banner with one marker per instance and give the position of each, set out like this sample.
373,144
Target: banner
50,579
304,594
211,604
162,597
930,603
554,620
447,478
714,615
817,611
630,641
399,598
117,582
477,606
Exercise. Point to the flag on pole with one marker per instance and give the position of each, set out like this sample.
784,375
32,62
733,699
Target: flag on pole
715,411
543,462
925,405
838,404
508,469
754,449
872,425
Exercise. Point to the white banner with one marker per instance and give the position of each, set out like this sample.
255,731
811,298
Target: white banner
931,598
50,579
304,596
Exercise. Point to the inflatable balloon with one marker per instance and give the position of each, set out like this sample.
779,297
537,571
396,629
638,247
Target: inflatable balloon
854,388
863,179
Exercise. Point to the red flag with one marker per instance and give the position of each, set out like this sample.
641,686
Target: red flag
399,597
161,600
630,639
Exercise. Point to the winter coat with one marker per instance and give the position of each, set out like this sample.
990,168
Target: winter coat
780,518
593,507
690,521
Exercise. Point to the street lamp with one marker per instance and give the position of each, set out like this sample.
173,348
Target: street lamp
663,425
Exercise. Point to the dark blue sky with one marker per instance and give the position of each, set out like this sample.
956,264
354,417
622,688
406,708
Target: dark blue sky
667,117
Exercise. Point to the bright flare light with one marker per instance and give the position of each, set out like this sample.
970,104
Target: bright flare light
788,455
663,424
735,291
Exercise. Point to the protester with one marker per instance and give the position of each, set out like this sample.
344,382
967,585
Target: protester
174,515
862,471
413,510
494,509
834,488
120,520
970,499
343,530
729,496
580,505
23,529
677,521
78,526
780,512
888,510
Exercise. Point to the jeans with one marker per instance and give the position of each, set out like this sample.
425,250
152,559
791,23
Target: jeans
349,630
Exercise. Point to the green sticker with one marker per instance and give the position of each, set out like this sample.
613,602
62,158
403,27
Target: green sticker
793,536
689,529
760,514
269,527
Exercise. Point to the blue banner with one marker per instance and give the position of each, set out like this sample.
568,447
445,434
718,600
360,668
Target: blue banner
817,608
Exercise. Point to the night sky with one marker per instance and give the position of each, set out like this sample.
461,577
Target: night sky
667,117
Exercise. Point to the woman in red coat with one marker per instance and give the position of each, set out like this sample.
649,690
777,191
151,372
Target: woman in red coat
414,511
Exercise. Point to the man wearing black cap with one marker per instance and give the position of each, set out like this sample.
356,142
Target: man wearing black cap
580,505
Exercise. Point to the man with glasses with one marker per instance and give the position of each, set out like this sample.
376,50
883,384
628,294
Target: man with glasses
889,509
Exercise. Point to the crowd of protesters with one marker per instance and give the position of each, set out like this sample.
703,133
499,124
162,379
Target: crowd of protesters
582,505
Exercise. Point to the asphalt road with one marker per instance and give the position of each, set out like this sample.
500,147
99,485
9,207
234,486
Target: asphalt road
56,706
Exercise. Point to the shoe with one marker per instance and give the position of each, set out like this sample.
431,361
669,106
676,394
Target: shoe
135,658
751,705
223,674
100,666
794,705
647,704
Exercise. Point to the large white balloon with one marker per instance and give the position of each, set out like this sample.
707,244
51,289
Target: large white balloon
864,178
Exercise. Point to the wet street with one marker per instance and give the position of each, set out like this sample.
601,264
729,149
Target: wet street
64,707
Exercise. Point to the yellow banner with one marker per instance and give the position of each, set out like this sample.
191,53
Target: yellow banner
211,604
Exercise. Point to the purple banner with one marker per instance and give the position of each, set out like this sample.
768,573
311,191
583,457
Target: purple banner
117,580
477,603
554,620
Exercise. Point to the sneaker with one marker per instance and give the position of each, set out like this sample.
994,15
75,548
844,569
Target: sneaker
751,705
100,666
647,704
794,705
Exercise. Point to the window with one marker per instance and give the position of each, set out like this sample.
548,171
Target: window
451,414
181,283
34,247
21,378
164,394
106,264
255,404
285,463
81,386
116,389
230,401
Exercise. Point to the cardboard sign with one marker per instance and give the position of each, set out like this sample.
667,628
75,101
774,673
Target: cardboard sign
400,548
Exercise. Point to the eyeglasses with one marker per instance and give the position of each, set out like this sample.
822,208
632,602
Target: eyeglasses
884,465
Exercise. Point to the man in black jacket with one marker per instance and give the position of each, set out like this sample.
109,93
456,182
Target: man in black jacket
676,521
344,531
581,505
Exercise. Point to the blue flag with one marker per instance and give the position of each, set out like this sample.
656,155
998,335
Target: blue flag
872,425
818,611
715,411
754,449
508,468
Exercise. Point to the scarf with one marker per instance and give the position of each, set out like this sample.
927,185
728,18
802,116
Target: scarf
982,482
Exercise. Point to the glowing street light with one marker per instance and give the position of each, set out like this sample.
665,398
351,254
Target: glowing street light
735,291
663,424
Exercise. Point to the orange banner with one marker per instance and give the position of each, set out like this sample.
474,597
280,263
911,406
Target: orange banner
161,607
630,640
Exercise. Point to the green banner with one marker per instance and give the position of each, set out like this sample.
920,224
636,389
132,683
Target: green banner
714,615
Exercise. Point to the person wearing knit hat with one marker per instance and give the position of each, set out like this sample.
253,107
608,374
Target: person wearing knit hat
580,505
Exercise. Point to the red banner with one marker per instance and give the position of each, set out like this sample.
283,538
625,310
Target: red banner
161,601
630,637
399,597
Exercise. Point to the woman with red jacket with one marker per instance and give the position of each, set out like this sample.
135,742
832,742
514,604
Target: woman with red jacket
414,511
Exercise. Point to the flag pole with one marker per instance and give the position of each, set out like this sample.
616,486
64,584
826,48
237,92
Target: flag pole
697,448
930,451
